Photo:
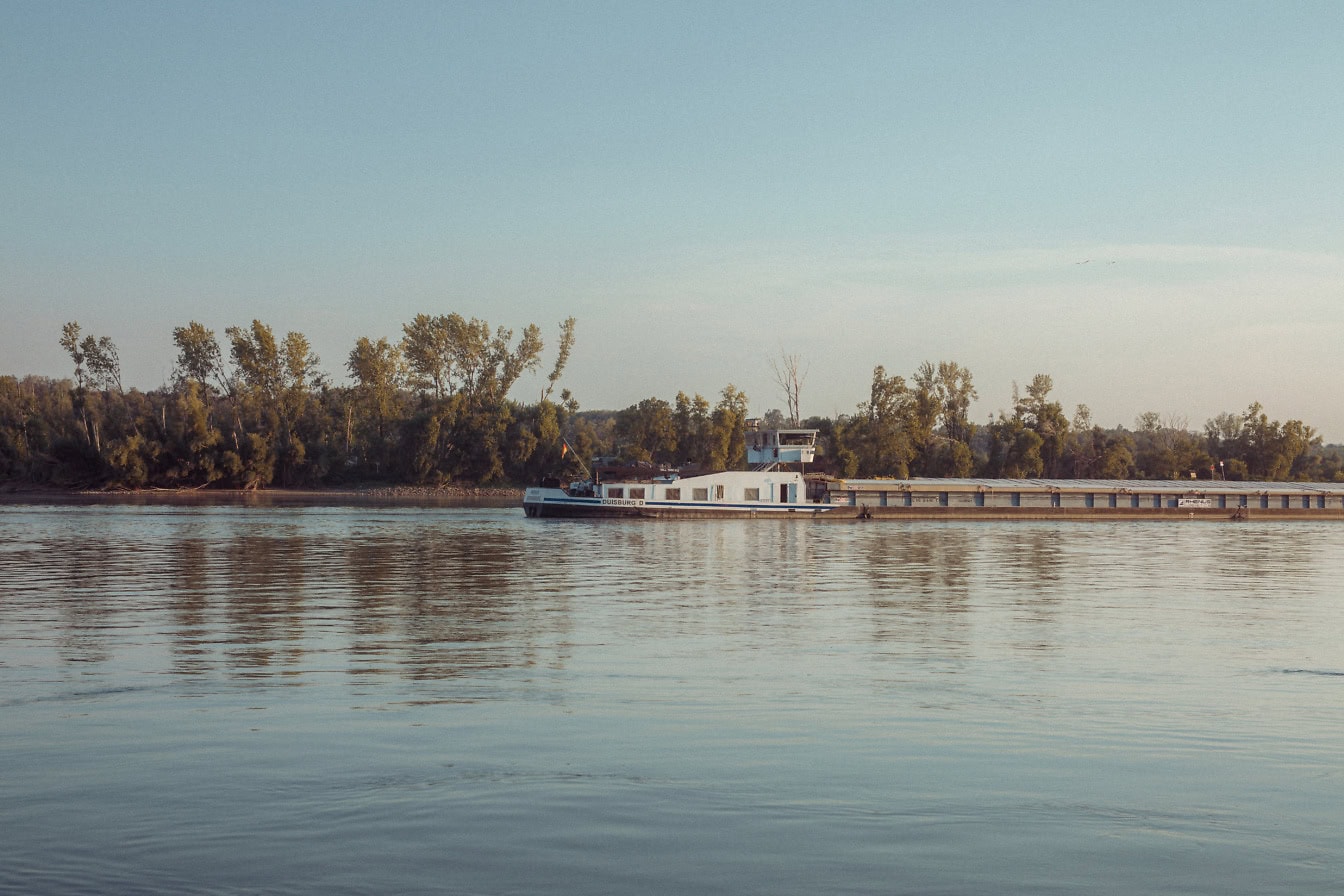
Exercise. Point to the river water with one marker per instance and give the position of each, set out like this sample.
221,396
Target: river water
364,699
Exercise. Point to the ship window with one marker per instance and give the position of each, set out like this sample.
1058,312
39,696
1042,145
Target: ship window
615,493
672,494
699,494
751,494
718,493
637,492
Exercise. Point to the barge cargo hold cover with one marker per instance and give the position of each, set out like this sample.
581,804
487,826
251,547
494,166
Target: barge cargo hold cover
1077,498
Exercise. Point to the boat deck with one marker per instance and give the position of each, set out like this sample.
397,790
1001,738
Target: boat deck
1081,498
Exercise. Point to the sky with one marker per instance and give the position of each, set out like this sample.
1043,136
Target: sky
1143,200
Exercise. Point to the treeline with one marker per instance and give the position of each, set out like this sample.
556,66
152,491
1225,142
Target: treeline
434,407
430,408
921,427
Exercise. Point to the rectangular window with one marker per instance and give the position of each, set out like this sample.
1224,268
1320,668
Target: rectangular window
637,492
751,494
672,494
615,493
718,493
699,494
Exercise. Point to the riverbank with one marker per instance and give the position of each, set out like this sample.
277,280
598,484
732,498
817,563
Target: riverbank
410,495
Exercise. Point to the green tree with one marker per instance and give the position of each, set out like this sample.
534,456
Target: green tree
956,390
449,354
876,441
193,454
275,380
536,444
428,349
561,357
647,431
80,397
922,412
728,430
1046,419
465,373
691,424
936,421
379,373
1296,443
1273,450
199,359
587,438
948,457
17,412
1014,449
1166,449
1094,453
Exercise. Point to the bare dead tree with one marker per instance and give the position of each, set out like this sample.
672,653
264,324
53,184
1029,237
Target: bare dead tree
790,374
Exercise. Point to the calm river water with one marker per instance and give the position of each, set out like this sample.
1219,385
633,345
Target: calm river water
363,699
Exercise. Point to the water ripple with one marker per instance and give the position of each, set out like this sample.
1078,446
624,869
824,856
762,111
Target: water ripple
372,699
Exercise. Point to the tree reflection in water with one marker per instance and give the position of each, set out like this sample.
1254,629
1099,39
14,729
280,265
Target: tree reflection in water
283,595
920,587
438,604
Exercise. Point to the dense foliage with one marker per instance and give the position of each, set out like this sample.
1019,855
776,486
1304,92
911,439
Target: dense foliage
430,408
921,429
434,407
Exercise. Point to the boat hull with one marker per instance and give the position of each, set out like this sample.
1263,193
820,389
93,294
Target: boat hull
933,500
549,502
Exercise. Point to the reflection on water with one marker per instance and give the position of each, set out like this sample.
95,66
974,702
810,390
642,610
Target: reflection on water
400,595
428,699
439,593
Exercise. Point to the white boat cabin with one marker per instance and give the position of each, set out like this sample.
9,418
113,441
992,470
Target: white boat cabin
771,486
767,447
736,488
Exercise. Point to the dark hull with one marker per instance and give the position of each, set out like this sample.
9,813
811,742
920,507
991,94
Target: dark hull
1077,500
1081,514
563,511
836,512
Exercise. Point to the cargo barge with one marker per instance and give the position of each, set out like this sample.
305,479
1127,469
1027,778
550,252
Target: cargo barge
777,486
1081,499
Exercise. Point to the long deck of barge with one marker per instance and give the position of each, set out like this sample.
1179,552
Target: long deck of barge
1077,499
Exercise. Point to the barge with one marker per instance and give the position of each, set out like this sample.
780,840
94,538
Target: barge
1079,499
776,485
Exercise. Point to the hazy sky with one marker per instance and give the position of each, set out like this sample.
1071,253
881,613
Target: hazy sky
1143,200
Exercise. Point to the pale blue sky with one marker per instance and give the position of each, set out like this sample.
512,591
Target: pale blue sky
1144,200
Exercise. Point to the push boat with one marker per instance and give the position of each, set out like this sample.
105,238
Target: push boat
774,485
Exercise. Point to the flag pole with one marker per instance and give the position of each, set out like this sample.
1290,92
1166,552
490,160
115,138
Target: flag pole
565,449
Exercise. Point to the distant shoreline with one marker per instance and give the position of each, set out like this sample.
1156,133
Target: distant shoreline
410,495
